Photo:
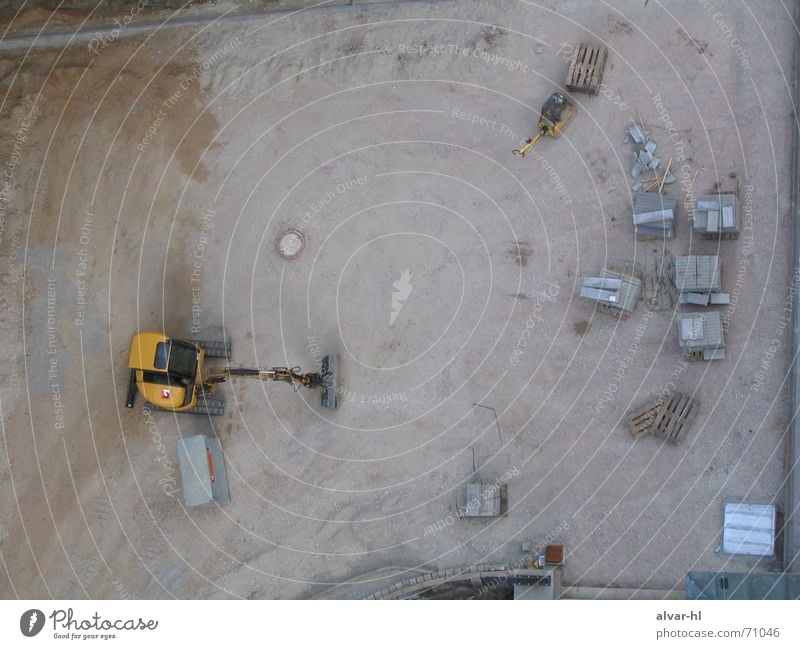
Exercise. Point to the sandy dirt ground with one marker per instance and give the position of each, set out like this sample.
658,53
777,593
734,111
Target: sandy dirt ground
147,181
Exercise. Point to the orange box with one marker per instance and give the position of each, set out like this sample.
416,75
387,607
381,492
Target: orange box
554,554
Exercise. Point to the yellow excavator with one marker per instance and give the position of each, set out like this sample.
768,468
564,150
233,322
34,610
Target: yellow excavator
170,374
556,113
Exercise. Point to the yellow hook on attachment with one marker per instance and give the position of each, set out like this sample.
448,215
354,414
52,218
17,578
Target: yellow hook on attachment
528,144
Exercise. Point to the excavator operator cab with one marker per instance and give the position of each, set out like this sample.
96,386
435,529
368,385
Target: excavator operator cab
166,371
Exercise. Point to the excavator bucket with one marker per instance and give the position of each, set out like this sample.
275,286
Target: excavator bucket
328,377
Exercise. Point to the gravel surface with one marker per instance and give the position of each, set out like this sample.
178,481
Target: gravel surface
149,179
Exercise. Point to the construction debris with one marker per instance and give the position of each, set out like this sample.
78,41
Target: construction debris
636,133
644,159
716,217
654,216
586,68
616,292
697,278
667,417
658,288
702,335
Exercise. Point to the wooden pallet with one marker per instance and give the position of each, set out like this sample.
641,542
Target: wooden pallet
602,307
654,237
586,69
667,417
631,269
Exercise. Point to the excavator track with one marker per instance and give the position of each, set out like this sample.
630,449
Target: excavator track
215,348
328,382
208,407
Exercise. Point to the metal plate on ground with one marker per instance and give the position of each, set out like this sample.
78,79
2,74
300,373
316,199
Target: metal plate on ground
484,500
202,468
748,529
668,417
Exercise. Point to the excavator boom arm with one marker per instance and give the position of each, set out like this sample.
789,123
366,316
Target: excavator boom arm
288,375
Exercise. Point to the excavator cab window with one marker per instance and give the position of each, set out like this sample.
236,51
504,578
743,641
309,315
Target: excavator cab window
182,359
177,361
162,354
178,358
156,378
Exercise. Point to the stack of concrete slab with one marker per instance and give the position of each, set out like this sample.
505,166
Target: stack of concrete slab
617,292
697,278
716,217
702,336
654,215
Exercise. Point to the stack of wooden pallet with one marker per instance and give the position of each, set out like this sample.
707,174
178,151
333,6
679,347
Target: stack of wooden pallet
667,417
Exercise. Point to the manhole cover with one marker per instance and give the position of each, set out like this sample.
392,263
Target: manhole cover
291,244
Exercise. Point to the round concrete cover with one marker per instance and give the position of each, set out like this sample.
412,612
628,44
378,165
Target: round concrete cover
291,244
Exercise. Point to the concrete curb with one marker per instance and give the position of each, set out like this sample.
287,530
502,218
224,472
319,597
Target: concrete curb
413,585
584,592
476,574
